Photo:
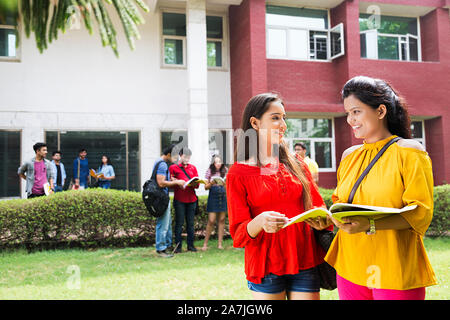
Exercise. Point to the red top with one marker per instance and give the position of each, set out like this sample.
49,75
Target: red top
252,190
183,195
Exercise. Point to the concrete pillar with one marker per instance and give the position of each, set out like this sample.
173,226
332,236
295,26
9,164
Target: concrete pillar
197,84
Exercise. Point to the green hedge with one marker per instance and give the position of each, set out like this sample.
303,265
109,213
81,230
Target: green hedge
440,225
97,217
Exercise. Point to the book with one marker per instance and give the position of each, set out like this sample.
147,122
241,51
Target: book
342,210
96,175
47,189
218,180
194,181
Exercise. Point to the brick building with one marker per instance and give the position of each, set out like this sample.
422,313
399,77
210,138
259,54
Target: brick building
307,50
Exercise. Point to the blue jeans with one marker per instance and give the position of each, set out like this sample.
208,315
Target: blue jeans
304,281
184,211
104,184
58,189
83,184
164,230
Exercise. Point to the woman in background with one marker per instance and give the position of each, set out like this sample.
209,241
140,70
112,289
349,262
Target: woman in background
217,200
107,170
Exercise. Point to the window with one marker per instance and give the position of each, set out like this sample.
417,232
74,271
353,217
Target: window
395,38
214,34
302,34
318,136
179,137
9,163
220,143
174,38
8,38
418,131
121,147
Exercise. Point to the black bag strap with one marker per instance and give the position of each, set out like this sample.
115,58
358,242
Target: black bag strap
181,167
156,169
371,164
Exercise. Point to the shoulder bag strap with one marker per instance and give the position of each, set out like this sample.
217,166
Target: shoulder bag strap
78,168
181,167
156,169
371,164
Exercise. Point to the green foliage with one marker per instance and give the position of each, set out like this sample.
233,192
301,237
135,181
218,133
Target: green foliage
46,18
99,218
326,195
92,217
440,225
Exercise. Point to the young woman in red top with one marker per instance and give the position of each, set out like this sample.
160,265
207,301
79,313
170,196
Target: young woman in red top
266,186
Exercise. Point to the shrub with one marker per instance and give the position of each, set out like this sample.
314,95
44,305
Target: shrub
98,217
92,217
326,196
440,225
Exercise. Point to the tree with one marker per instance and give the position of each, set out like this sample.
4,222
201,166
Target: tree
45,18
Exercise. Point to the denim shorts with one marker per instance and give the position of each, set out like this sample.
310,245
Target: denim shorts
305,281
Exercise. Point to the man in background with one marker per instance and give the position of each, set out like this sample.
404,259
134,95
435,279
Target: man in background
58,171
300,152
81,170
37,172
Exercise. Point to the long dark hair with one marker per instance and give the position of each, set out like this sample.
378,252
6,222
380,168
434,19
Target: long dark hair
375,92
256,107
107,162
212,167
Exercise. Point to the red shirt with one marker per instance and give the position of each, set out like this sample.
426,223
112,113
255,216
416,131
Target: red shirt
183,195
249,193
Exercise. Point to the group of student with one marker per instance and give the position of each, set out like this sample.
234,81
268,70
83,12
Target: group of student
39,171
186,202
374,259
265,188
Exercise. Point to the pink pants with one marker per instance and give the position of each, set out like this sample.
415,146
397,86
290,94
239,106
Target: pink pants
349,291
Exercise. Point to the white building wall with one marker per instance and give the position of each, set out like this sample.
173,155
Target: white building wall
78,85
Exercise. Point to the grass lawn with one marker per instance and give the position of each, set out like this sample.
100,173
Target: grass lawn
137,273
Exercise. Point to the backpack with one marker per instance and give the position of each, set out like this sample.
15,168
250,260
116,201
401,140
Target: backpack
155,198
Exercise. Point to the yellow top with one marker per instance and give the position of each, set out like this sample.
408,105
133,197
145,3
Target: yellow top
312,165
389,259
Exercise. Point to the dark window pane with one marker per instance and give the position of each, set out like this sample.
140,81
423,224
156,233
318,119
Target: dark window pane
9,163
214,27
214,52
174,24
51,139
323,154
335,38
179,137
388,24
173,51
307,17
363,46
413,49
416,129
134,178
403,51
7,43
388,48
318,45
218,145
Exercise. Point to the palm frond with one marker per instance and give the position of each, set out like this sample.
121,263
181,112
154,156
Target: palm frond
46,18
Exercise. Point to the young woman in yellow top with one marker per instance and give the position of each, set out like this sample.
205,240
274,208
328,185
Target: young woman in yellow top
384,258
